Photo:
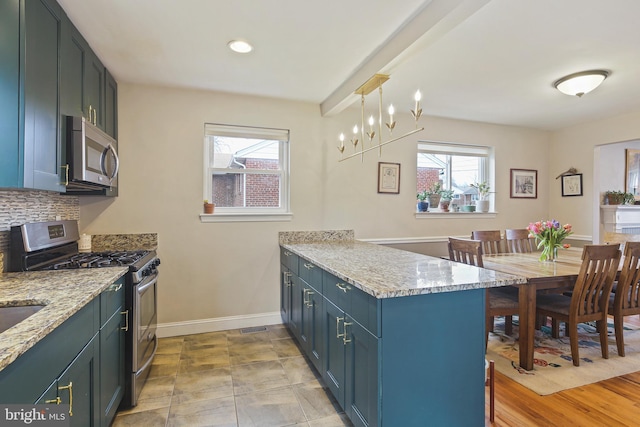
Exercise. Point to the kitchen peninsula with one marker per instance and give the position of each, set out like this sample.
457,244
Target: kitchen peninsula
397,337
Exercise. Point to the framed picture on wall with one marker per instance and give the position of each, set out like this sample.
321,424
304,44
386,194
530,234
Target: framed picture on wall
524,184
572,185
389,178
632,174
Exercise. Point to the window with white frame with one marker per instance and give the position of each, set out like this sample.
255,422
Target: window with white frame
246,169
455,167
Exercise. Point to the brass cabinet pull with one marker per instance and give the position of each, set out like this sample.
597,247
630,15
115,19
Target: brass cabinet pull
116,288
57,400
287,253
308,266
338,334
344,334
95,115
126,320
305,298
287,276
66,174
70,388
344,288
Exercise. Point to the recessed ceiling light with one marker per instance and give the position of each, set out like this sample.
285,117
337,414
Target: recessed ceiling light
240,46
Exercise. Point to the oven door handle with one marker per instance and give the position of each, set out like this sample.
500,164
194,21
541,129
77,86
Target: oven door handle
142,288
153,353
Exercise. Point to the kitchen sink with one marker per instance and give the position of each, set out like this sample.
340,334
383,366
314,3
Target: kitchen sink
11,314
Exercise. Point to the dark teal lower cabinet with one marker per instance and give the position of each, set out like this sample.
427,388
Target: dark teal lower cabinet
80,363
407,361
112,343
361,364
77,387
334,371
285,294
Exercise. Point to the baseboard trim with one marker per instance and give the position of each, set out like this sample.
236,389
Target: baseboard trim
201,326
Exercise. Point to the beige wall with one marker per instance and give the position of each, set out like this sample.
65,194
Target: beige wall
221,270
596,150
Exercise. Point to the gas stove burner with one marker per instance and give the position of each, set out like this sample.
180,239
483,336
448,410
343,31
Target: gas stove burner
99,259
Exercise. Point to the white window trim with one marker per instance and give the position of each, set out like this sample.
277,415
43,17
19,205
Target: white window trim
486,172
234,214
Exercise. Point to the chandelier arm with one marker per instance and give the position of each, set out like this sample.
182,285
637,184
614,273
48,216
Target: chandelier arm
380,120
384,143
362,127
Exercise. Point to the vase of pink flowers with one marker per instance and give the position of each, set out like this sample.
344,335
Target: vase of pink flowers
549,236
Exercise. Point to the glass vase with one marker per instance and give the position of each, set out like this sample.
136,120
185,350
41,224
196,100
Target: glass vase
549,253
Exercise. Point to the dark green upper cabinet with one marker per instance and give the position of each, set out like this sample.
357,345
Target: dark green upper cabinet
32,158
88,90
111,106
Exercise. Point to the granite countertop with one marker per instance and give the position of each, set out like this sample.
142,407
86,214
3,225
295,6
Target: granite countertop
63,292
388,272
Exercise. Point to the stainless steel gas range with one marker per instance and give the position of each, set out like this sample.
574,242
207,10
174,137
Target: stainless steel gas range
53,246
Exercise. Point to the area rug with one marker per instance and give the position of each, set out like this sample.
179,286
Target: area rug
553,367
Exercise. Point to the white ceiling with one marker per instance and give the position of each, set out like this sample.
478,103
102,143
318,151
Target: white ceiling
486,60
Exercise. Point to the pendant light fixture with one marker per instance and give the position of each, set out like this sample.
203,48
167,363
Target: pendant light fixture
577,84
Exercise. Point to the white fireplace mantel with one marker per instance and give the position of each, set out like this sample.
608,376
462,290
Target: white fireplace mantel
620,218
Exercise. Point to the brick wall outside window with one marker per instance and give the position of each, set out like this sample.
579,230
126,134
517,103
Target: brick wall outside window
426,177
262,190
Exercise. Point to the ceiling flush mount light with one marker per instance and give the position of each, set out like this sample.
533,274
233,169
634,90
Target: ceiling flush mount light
369,86
577,84
240,46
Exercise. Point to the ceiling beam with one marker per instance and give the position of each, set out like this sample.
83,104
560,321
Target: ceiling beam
428,24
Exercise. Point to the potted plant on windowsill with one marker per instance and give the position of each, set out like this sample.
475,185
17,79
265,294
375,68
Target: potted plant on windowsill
208,207
423,204
445,199
482,204
433,193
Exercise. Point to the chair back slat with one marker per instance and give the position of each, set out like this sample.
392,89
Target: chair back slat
491,241
465,251
628,288
518,240
595,280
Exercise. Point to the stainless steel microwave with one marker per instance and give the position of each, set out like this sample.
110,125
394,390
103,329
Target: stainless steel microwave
91,156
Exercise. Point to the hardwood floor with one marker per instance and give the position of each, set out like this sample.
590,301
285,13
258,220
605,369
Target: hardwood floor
613,402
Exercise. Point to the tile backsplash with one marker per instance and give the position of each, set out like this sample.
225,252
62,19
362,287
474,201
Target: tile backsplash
18,207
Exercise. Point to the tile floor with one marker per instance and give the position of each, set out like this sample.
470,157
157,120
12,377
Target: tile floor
229,378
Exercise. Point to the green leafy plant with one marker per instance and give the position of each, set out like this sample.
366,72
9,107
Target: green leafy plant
422,196
435,188
446,194
483,190
618,197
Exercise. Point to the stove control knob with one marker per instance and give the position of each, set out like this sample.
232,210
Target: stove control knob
157,261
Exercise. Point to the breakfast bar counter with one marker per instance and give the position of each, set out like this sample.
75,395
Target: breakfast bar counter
397,337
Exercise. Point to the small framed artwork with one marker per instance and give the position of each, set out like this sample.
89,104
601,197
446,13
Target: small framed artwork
632,175
389,178
524,184
572,185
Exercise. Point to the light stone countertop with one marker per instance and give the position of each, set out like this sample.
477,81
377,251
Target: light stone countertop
388,272
63,292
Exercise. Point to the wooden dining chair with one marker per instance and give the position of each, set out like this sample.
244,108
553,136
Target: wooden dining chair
626,300
589,300
518,241
492,242
498,301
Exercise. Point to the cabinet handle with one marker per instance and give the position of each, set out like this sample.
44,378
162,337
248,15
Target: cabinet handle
90,115
287,276
338,334
344,288
305,298
345,335
287,253
57,401
70,388
115,288
126,320
95,115
308,266
66,174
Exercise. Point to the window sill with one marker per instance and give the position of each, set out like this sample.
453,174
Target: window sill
458,215
246,217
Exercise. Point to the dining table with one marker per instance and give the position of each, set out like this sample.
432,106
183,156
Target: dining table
548,276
